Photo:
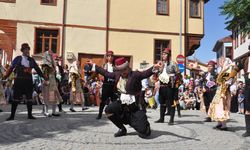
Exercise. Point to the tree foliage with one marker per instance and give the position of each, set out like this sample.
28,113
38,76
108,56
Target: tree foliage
237,15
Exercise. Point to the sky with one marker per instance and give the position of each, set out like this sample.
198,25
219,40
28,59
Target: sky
214,30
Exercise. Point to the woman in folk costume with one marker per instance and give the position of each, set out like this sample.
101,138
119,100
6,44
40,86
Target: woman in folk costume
108,87
51,95
76,93
220,106
2,95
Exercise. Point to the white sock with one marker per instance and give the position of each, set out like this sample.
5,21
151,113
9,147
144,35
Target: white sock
53,109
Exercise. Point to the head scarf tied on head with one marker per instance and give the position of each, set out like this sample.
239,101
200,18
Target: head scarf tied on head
74,68
47,59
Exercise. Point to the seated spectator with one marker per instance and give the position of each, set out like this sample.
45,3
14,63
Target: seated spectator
241,101
189,99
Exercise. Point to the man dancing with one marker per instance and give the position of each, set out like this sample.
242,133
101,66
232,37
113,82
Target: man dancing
126,110
108,87
22,66
169,83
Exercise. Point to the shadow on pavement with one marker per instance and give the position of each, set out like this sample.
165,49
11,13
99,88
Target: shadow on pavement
22,129
188,122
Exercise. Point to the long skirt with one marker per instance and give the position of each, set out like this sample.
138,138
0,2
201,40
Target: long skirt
50,92
219,109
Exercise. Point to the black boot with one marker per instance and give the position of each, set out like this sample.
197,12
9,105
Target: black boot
178,110
162,114
101,107
13,111
247,120
172,113
122,130
146,133
29,108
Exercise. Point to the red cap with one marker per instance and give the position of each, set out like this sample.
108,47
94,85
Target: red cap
110,53
121,63
211,62
167,50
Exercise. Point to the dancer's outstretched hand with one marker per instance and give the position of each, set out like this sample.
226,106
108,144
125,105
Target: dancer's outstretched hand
159,65
89,62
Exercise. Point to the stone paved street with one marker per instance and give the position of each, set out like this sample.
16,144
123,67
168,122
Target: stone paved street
80,130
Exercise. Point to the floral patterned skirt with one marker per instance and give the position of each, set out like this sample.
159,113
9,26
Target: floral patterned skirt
2,95
219,109
76,98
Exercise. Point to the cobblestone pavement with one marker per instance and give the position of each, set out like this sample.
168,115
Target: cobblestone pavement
80,130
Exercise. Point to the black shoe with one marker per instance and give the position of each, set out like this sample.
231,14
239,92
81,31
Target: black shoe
10,118
146,134
171,123
47,114
246,134
208,119
31,117
179,116
217,126
56,115
223,129
85,108
62,111
121,132
1,110
98,117
159,121
72,110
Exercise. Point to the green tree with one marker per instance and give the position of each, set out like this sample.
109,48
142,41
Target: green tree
237,15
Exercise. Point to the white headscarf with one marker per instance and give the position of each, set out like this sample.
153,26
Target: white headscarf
74,68
47,59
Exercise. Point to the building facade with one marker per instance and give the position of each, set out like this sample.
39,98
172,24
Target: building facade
241,48
224,48
83,29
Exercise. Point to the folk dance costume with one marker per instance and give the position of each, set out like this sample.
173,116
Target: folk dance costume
208,83
76,93
169,83
126,110
244,64
22,66
108,87
2,94
51,95
220,106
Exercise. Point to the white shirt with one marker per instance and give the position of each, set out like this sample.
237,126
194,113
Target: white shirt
25,61
110,67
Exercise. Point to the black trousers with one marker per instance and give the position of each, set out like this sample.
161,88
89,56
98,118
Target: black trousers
167,95
131,115
22,87
107,95
208,97
247,97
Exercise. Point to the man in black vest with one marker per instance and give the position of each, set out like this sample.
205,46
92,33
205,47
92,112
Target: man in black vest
22,66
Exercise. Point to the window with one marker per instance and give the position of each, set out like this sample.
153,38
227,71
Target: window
49,2
162,7
8,1
229,52
195,8
46,39
237,39
159,46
